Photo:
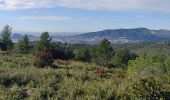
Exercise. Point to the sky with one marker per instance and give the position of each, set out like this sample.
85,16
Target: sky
83,15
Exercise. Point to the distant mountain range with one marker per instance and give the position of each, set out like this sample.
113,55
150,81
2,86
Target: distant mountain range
17,36
114,35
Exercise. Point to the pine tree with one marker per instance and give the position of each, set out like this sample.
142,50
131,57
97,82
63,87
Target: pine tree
45,42
6,37
104,52
23,45
43,56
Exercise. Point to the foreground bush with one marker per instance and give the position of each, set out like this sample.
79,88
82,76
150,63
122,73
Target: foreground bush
32,83
149,89
43,58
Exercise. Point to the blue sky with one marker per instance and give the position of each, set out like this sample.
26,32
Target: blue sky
83,15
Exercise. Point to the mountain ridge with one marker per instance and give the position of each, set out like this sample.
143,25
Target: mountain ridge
116,36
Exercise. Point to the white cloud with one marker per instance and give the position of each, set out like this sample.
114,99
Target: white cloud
49,17
150,5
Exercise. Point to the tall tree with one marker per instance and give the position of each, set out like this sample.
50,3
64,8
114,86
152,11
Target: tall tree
104,52
23,45
6,36
45,42
43,56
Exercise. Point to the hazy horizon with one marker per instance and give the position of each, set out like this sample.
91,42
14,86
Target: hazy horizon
72,33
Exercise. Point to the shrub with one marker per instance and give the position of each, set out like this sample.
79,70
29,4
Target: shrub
85,77
43,58
82,54
167,63
121,57
101,72
68,74
150,89
61,62
15,93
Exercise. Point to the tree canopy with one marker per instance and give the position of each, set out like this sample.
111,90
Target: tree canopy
45,42
6,37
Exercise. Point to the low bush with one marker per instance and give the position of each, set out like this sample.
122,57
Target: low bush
101,72
43,58
149,89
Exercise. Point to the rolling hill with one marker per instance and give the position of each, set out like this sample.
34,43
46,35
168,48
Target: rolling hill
120,36
116,36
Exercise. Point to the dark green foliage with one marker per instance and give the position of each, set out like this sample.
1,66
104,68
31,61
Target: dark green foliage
3,47
43,56
63,51
100,54
82,54
6,37
104,52
121,57
45,42
23,45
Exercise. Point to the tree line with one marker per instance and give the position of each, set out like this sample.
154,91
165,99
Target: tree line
45,51
104,54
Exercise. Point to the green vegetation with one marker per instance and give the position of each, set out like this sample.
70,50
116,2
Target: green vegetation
43,56
6,42
104,55
104,52
46,70
82,54
144,78
122,57
45,42
23,46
